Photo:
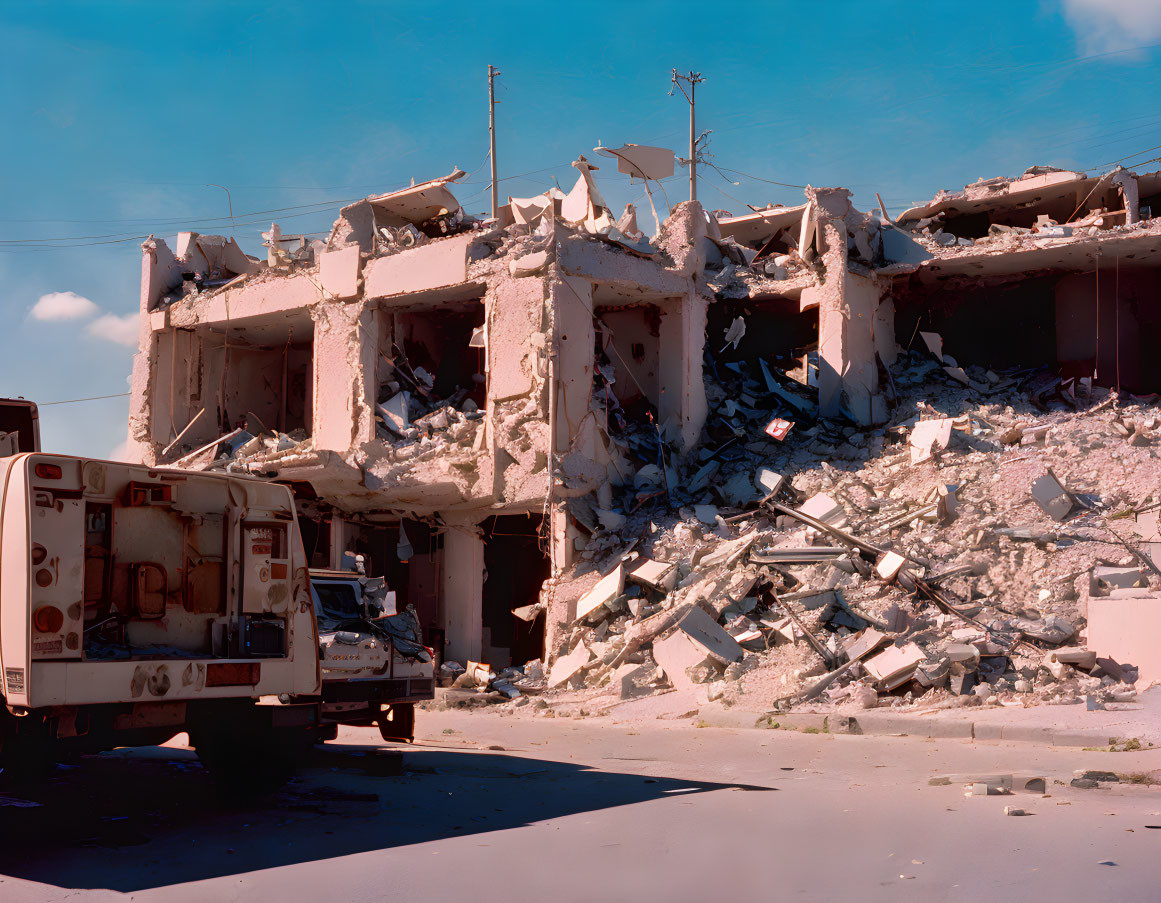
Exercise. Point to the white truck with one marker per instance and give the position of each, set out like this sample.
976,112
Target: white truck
137,603
374,664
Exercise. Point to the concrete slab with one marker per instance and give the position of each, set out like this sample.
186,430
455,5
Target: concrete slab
339,271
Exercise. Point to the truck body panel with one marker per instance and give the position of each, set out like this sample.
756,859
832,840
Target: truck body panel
122,583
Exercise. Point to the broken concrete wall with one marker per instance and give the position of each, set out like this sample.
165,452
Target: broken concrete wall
160,274
177,387
573,337
431,266
517,381
345,354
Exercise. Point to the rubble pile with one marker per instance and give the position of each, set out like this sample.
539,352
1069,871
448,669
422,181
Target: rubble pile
247,448
410,414
945,558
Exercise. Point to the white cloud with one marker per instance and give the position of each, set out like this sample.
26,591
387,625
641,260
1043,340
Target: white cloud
112,328
62,306
1105,25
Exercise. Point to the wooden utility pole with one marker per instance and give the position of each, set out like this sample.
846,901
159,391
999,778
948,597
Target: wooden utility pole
492,73
692,78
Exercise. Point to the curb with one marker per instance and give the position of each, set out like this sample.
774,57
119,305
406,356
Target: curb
871,724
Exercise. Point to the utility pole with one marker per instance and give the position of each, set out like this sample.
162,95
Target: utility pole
692,79
492,73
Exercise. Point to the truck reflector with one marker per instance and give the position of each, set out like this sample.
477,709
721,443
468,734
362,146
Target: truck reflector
233,674
48,619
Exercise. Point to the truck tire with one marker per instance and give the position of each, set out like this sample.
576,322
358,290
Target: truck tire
248,759
27,754
397,722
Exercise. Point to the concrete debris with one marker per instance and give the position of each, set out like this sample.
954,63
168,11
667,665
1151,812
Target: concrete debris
822,507
568,666
895,666
769,481
1052,498
607,589
889,566
929,436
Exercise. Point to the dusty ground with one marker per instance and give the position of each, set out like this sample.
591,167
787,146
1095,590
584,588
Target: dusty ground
493,808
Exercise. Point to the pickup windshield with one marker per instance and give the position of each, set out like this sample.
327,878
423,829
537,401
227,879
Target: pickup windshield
338,600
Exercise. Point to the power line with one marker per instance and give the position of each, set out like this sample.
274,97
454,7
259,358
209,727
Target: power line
760,179
1127,157
116,238
190,220
45,404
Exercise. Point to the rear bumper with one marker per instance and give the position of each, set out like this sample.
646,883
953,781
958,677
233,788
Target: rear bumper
291,715
377,690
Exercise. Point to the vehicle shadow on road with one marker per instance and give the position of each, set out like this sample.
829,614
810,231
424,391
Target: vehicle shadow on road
139,819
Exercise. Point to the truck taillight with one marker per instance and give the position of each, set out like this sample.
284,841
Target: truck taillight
48,619
49,471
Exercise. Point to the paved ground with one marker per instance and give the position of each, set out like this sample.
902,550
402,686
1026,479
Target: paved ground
587,810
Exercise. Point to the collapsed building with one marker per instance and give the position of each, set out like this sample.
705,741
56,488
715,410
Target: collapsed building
515,420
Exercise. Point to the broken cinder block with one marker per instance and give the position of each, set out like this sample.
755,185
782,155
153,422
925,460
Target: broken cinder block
1053,499
696,638
567,666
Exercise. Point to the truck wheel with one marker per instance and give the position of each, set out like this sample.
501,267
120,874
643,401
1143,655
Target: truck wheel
26,753
247,761
397,722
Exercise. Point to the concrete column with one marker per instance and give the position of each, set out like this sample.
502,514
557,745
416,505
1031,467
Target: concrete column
345,347
1126,182
885,345
848,379
681,398
463,594
338,542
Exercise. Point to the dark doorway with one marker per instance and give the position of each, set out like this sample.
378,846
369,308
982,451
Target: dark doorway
316,540
415,580
516,567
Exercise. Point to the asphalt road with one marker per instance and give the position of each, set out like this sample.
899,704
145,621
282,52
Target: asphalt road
583,810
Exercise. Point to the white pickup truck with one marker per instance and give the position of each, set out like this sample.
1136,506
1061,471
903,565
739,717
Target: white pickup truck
374,664
137,603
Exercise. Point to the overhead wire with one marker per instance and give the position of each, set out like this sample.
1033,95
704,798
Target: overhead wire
760,178
45,404
185,219
1124,158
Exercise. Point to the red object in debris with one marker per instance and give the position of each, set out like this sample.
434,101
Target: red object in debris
778,428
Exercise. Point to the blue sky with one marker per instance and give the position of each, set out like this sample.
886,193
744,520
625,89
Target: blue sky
119,115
